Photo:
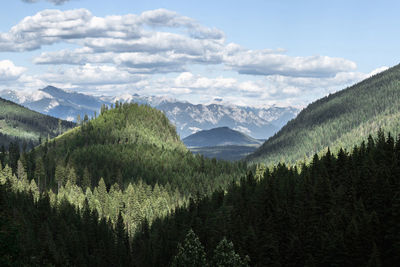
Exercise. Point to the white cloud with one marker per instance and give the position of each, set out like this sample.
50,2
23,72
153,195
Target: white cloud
167,18
90,75
56,2
111,33
376,71
133,41
10,72
268,62
187,79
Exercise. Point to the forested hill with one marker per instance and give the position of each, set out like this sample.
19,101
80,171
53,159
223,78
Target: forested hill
342,120
18,124
124,144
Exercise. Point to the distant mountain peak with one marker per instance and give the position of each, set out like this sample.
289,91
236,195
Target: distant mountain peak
220,136
51,89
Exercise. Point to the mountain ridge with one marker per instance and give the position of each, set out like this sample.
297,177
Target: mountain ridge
339,120
221,136
187,117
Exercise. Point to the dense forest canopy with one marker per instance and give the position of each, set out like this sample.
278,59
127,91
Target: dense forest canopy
339,210
340,120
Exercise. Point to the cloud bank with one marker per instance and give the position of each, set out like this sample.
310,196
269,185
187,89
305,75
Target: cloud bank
133,41
156,51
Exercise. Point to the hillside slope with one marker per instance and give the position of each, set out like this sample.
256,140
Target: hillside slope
221,136
342,119
22,124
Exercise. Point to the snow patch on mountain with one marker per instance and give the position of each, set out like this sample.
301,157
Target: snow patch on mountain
194,129
242,130
53,103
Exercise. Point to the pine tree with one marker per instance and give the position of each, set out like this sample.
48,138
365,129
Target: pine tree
60,175
86,182
225,256
21,174
190,252
34,189
59,127
122,242
102,196
72,177
2,156
40,175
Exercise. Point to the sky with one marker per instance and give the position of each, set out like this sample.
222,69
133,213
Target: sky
253,53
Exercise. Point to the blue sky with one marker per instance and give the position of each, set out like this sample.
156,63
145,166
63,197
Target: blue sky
245,52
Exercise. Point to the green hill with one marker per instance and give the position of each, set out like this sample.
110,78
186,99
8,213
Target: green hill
18,123
129,143
342,119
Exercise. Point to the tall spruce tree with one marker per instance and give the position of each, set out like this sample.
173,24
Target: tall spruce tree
190,252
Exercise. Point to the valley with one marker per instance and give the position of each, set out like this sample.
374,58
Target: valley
222,143
199,133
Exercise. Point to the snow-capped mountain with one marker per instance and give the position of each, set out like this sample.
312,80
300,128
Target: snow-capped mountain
56,102
188,118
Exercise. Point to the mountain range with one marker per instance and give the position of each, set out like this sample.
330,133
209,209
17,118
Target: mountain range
188,118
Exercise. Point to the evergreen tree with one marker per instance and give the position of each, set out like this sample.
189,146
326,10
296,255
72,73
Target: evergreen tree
122,247
21,173
86,181
2,156
225,256
72,177
190,252
60,175
40,175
